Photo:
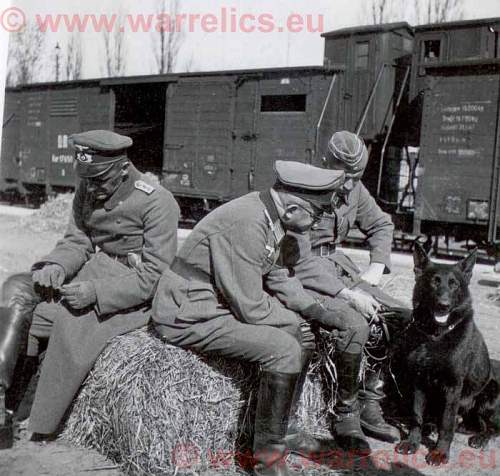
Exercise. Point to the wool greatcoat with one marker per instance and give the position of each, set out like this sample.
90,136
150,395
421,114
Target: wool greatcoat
217,302
122,246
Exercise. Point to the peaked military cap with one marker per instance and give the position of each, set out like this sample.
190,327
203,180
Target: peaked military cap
313,184
97,151
350,150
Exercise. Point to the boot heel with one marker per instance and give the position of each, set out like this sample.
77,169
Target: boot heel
6,426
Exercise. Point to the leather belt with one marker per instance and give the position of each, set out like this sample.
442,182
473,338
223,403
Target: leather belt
325,249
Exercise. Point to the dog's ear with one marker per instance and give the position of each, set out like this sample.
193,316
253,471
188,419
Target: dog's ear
467,264
420,259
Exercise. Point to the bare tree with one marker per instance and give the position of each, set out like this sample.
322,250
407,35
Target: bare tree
115,49
26,55
437,11
74,57
380,11
189,66
168,36
421,11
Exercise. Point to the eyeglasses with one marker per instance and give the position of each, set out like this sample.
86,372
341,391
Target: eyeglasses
316,216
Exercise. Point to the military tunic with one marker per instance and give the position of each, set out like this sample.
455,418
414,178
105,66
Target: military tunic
326,272
122,246
218,303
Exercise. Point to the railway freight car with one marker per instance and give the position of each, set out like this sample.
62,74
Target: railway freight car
455,101
37,121
210,136
425,99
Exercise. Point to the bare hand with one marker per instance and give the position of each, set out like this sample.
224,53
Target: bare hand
79,295
50,276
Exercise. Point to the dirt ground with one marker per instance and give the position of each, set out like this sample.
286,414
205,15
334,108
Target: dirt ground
20,248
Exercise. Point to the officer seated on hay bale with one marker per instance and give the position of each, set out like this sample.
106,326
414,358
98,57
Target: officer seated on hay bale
213,299
337,283
96,284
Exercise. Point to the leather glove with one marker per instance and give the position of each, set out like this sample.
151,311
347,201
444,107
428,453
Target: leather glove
363,302
49,276
79,295
327,319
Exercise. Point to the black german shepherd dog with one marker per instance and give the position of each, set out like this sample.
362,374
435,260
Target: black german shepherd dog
445,356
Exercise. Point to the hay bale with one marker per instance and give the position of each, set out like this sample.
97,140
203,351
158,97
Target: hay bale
52,215
158,409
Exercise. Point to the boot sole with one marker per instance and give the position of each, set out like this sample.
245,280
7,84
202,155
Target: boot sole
372,432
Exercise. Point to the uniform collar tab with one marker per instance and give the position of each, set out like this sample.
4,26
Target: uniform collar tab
124,190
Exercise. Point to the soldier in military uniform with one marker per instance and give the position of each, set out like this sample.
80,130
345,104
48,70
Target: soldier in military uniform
99,278
336,281
217,303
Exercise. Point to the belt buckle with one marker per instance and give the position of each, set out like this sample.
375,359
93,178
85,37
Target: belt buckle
322,253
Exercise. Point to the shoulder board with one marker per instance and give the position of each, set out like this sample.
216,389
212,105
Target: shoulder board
144,187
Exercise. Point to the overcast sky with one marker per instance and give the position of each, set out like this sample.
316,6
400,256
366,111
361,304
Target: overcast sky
215,50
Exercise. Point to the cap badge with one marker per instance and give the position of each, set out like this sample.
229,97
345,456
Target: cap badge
82,156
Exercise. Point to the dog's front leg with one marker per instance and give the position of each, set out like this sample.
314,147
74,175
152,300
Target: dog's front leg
441,453
410,445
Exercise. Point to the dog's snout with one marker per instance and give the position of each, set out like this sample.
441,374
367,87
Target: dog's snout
445,300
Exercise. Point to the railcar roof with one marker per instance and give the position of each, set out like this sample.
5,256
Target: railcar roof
456,24
159,78
361,30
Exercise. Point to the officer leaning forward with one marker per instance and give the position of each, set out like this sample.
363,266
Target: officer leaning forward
99,279
339,286
216,302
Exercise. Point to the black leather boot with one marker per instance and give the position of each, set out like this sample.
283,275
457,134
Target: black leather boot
346,427
372,418
15,320
297,440
271,421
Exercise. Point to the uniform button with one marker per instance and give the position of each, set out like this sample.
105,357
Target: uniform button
118,221
120,202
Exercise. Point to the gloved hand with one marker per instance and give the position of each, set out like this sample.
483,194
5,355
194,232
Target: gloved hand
79,295
365,304
50,276
327,319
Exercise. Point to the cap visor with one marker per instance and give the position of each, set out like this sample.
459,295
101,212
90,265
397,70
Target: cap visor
91,170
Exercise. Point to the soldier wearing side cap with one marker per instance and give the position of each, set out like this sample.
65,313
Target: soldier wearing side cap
97,282
340,286
216,301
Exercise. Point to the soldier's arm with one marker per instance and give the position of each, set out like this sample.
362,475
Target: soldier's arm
313,272
288,289
75,248
377,226
238,255
160,219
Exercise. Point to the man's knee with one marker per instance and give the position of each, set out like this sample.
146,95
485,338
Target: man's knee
357,331
286,356
19,289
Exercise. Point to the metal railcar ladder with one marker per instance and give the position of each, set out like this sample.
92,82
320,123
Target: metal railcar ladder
389,131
